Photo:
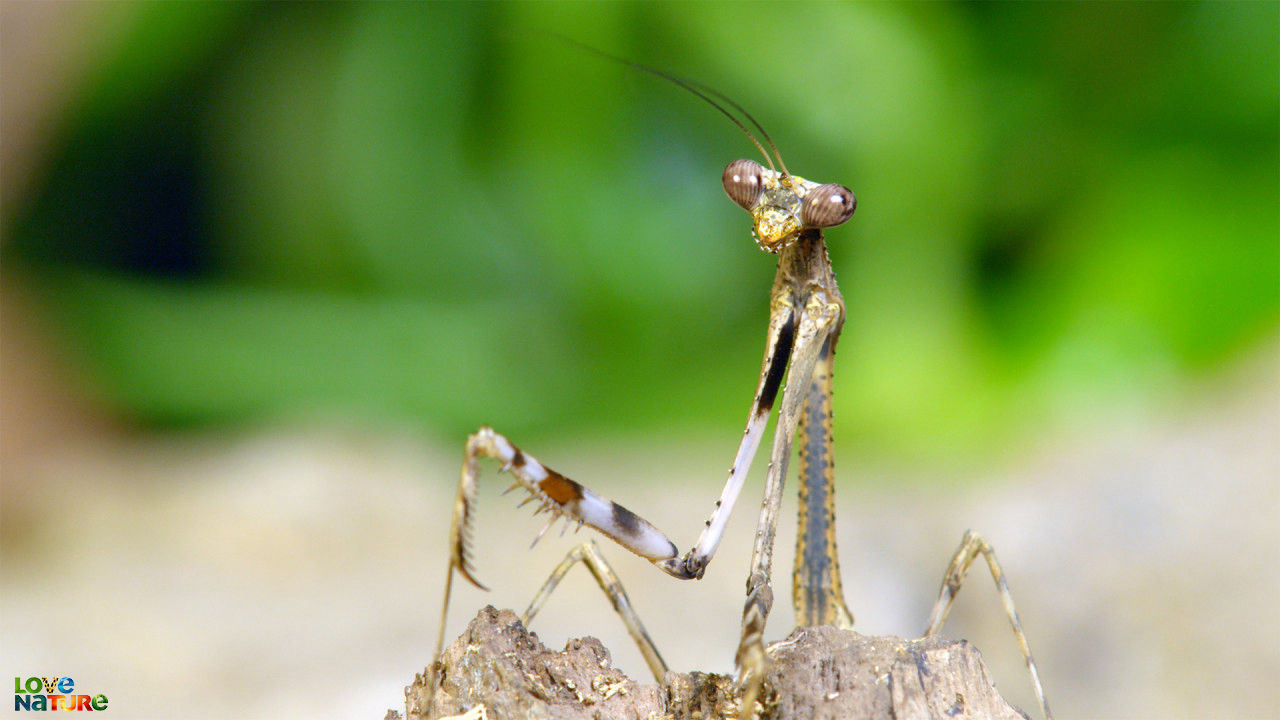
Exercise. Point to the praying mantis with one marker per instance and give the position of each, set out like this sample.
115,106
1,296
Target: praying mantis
806,314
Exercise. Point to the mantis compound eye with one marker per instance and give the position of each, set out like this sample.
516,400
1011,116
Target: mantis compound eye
744,181
827,206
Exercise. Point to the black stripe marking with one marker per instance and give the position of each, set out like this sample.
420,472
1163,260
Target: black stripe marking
626,520
777,365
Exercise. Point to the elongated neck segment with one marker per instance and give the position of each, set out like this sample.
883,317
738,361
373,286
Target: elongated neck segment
805,267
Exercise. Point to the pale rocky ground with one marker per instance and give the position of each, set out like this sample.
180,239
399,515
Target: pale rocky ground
818,673
296,571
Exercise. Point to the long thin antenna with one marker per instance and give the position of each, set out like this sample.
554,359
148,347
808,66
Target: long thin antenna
707,94
717,94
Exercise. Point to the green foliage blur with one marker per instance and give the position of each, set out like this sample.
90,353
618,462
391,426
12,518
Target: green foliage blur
439,213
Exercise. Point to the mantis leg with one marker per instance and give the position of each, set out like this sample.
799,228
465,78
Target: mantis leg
971,546
559,496
564,498
588,553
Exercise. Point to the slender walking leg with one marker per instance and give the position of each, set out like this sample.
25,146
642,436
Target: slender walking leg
970,547
588,553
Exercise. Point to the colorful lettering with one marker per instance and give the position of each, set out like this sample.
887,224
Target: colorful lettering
38,693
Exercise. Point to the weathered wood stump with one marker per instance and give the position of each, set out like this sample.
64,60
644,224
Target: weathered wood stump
815,673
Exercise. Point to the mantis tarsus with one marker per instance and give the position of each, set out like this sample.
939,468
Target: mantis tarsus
806,314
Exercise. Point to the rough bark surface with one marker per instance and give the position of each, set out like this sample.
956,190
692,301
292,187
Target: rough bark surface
815,673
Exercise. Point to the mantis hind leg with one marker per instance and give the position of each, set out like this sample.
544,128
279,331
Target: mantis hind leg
971,546
588,553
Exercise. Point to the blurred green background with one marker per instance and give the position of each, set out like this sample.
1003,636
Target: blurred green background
438,214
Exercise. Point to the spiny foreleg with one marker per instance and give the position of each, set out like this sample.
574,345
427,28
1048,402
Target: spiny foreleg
555,494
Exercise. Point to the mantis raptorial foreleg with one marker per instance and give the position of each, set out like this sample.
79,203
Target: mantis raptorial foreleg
564,498
558,495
